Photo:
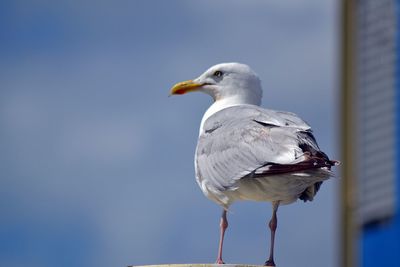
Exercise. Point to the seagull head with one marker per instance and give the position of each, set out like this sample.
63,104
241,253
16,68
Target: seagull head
230,82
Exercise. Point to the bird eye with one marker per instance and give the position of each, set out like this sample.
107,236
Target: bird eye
218,73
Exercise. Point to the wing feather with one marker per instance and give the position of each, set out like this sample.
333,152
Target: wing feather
247,141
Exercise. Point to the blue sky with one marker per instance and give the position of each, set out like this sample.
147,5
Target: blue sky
97,162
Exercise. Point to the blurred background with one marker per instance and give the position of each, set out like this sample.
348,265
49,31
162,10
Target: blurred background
97,162
370,184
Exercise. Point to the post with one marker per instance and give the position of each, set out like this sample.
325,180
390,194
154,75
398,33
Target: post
348,229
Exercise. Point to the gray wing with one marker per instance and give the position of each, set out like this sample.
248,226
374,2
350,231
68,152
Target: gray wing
247,140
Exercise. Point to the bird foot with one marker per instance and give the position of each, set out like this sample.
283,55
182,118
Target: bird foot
270,263
219,261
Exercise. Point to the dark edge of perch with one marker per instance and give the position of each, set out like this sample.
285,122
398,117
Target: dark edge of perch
196,265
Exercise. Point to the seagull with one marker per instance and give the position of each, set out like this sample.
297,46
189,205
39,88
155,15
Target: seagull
245,152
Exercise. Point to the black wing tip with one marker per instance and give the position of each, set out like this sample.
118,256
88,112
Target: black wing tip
310,192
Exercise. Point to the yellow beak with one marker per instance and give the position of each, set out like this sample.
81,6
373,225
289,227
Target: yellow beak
185,87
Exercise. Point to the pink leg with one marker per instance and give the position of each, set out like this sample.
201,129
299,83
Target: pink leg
223,225
273,223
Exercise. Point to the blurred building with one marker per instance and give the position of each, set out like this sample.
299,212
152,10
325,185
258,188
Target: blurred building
370,133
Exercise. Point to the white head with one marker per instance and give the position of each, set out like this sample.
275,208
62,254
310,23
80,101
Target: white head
228,82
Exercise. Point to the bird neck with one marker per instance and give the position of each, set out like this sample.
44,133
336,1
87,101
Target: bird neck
227,102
